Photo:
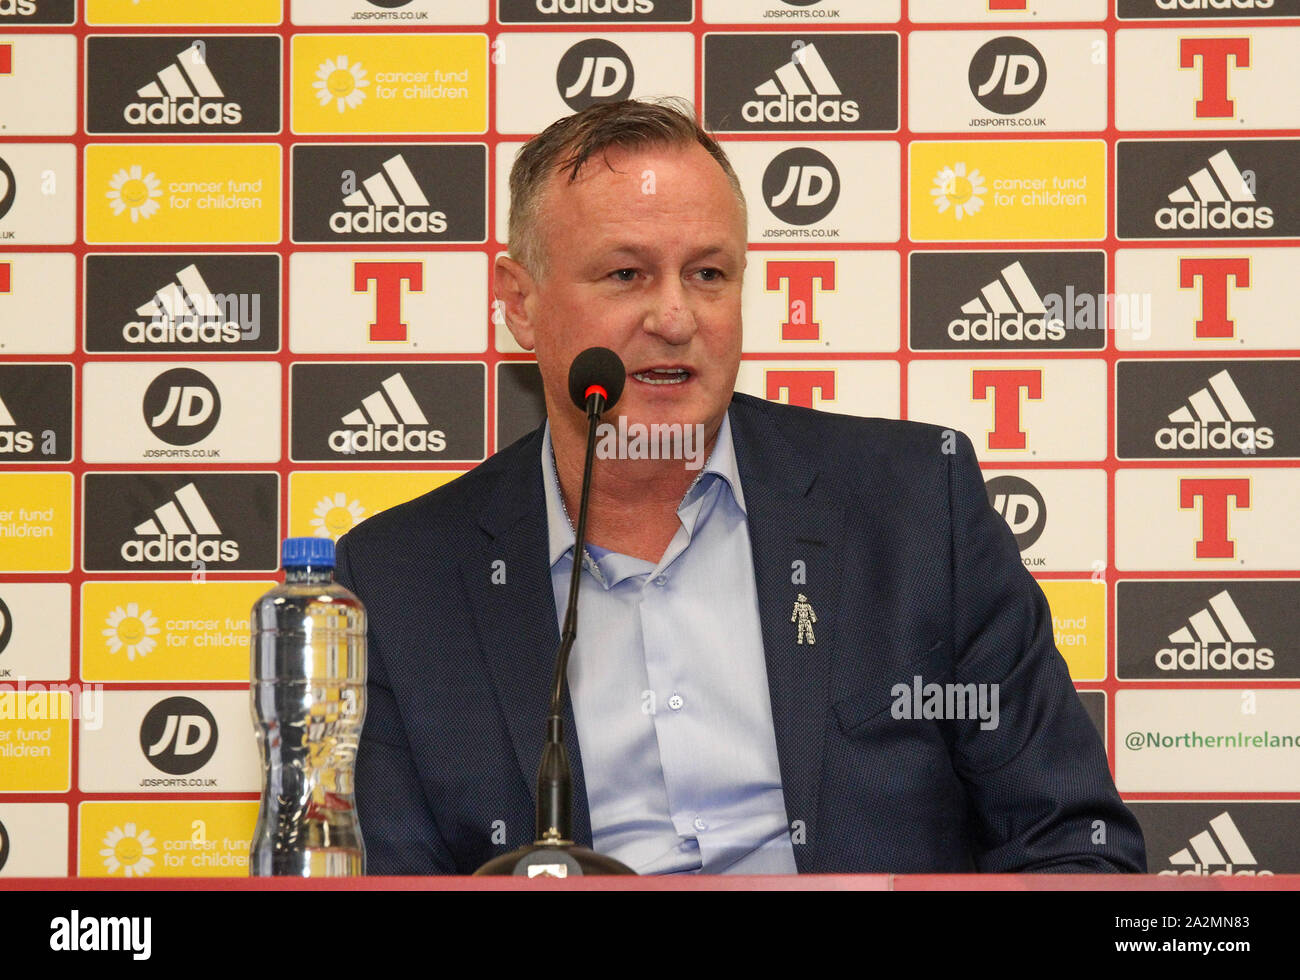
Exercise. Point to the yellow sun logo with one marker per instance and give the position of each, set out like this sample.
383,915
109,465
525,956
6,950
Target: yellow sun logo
135,191
127,851
956,189
338,81
335,515
131,630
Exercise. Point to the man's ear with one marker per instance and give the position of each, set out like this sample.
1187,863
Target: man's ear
514,287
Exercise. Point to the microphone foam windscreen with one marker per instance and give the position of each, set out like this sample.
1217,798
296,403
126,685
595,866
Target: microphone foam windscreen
596,366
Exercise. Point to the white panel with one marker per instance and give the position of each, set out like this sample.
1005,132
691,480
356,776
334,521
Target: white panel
1155,751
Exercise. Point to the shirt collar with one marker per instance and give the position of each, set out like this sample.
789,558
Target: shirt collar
721,465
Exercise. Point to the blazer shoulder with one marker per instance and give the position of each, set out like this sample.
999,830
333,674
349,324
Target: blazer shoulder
850,441
452,507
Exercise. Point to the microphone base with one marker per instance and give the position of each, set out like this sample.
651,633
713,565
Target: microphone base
553,859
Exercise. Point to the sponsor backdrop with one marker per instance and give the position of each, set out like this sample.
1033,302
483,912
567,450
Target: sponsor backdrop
245,252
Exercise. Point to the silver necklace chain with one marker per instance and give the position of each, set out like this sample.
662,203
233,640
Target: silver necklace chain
559,490
586,555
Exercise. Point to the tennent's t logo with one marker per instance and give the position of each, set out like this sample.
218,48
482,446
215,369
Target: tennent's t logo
801,385
1214,493
388,278
1214,53
1213,275
799,277
1007,385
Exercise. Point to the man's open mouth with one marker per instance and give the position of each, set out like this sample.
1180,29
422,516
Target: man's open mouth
663,376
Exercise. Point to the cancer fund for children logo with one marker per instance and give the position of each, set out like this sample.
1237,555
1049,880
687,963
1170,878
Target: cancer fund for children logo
389,83
328,505
131,630
1007,190
177,194
128,850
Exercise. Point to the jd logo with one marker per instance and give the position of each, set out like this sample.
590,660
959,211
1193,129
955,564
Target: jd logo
178,736
801,186
1021,505
1007,75
8,189
6,626
182,406
594,71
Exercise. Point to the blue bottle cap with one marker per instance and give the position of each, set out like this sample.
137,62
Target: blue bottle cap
301,552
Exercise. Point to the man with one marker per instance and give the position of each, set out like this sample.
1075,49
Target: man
756,637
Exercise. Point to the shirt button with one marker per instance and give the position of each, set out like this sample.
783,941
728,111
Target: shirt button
700,824
661,581
675,702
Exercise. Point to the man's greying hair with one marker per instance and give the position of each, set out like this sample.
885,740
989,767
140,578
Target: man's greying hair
567,144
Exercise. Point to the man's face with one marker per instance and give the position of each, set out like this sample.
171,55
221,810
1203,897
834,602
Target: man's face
646,259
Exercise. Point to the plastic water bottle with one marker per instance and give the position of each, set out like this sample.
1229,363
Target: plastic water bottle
308,689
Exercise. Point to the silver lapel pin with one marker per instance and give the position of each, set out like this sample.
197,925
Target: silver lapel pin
803,615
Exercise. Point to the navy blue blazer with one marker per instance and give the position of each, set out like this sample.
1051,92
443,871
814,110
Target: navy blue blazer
885,527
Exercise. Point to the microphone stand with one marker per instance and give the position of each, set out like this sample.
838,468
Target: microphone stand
554,854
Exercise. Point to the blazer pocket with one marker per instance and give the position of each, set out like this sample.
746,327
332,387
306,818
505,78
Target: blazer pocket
856,710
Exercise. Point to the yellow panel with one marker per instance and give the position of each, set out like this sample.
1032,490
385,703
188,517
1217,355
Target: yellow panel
1079,625
1048,190
327,505
182,839
176,194
35,739
166,631
35,522
389,83
215,12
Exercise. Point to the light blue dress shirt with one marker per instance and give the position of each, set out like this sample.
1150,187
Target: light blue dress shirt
669,688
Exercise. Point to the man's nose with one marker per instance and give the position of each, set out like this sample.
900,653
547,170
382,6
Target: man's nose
669,314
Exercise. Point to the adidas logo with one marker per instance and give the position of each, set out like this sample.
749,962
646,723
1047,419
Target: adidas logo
1215,197
388,424
1215,421
1204,853
186,311
801,90
1216,630
1214,4
993,315
13,439
599,6
391,202
185,93
175,531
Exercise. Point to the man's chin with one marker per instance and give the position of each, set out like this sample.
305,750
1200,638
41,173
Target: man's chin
657,421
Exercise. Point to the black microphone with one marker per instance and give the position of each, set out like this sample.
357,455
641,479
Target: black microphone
596,381
596,371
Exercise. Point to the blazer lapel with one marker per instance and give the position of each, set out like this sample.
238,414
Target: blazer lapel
796,536
516,621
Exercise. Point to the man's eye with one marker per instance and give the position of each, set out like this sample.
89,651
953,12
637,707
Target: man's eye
711,275
624,275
